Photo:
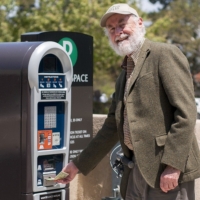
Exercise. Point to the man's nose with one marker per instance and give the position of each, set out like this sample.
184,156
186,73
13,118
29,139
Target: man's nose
118,30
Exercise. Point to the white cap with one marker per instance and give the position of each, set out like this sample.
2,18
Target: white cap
120,8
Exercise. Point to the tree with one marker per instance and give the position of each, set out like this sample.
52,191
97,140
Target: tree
165,3
180,25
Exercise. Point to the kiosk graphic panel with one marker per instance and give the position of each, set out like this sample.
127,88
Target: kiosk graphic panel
51,124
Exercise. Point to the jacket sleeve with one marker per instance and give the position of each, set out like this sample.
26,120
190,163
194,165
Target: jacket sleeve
100,145
177,82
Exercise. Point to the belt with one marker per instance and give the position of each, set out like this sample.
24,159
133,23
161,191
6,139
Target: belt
127,162
120,162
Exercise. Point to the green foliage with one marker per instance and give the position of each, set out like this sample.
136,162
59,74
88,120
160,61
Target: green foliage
101,108
158,31
180,25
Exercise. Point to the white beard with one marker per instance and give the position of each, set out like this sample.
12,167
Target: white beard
129,45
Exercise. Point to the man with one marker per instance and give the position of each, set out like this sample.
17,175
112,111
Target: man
153,114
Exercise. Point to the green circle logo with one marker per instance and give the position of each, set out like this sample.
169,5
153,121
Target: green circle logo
70,48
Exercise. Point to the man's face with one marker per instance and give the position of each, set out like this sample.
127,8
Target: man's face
124,33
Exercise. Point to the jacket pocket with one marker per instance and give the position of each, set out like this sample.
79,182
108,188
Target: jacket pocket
192,163
142,78
160,140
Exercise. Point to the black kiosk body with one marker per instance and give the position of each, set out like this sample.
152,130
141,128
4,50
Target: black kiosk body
35,105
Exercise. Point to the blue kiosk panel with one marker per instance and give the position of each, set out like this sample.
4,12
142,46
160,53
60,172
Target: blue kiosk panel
51,125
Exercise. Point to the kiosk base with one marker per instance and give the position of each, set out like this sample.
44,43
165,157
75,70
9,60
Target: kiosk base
51,195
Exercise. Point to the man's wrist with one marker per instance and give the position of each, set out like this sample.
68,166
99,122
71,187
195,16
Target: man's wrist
173,169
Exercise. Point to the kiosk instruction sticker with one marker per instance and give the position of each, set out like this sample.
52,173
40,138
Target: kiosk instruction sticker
53,94
54,196
51,82
44,139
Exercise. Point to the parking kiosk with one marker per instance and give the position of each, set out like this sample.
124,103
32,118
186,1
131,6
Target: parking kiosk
35,104
79,47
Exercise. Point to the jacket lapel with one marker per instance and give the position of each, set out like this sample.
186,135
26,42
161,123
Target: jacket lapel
141,58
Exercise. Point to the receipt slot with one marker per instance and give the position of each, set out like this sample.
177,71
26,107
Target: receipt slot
35,104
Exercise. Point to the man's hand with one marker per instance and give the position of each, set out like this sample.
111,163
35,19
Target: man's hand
169,179
72,170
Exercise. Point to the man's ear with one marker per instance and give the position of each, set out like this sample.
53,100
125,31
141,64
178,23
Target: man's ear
140,21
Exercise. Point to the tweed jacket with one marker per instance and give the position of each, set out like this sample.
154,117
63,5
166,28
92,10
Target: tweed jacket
161,114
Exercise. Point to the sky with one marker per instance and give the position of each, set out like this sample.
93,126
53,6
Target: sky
146,6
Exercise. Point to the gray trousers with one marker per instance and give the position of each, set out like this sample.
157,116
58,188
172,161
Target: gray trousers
138,189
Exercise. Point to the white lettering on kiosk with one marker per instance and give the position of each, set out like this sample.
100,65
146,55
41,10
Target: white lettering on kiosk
75,153
50,76
80,78
76,120
69,44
